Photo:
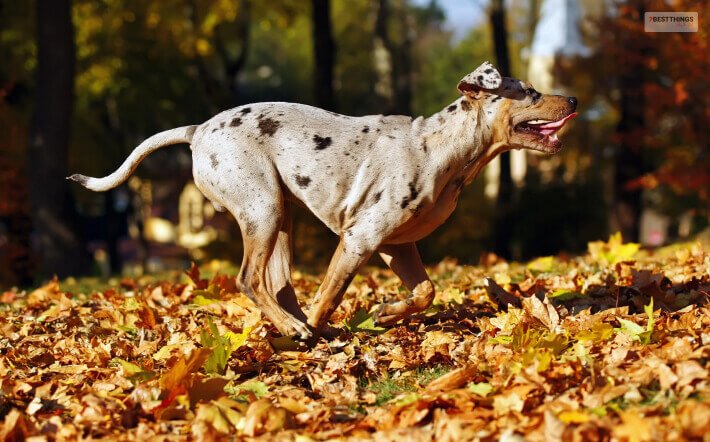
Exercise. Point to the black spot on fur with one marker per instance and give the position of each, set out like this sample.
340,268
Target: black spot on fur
488,71
221,125
480,78
321,142
413,194
391,137
424,146
357,142
245,111
365,129
302,181
465,105
213,161
451,108
496,99
250,228
235,122
214,130
268,126
378,195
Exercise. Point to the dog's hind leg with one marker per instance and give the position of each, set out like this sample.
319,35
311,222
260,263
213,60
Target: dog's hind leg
405,261
260,232
278,271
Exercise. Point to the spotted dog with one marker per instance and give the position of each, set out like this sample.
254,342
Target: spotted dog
379,182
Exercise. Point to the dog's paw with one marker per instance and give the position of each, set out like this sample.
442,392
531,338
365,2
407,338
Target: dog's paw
382,317
300,331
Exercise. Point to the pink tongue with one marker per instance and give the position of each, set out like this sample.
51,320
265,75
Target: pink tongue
550,128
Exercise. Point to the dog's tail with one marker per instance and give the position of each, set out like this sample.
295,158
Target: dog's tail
173,136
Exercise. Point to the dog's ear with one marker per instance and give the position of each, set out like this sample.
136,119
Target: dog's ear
484,77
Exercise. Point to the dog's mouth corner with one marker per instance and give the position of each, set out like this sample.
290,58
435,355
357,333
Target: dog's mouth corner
545,131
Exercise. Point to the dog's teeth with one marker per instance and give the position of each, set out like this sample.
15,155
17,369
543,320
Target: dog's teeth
538,121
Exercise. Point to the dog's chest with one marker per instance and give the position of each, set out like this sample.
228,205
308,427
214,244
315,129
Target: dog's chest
427,216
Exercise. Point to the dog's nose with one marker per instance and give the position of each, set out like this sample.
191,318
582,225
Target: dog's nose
572,101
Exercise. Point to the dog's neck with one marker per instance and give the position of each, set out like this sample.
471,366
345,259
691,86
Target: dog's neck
460,134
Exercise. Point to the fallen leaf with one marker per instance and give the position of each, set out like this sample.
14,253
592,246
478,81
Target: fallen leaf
363,321
183,367
454,379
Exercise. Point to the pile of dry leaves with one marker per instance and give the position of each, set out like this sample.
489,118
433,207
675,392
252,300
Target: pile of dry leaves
613,345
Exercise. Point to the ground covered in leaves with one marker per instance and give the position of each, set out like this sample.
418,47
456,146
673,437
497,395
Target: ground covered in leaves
612,345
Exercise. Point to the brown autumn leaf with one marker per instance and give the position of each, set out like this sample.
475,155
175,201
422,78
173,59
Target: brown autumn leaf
265,417
500,296
454,379
183,367
15,426
543,311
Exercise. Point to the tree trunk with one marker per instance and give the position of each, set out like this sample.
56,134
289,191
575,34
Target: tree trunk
503,229
402,71
383,57
630,130
61,248
324,51
222,91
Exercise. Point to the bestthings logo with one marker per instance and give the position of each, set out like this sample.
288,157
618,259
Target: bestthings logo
671,22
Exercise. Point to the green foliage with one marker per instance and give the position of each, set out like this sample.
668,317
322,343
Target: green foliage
480,388
208,296
362,321
636,332
613,251
132,372
387,387
222,346
241,391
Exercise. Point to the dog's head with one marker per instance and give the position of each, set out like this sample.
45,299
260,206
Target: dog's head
522,116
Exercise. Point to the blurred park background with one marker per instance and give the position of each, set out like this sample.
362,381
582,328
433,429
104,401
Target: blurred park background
82,82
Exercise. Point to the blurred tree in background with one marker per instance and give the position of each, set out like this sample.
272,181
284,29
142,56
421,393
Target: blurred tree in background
141,67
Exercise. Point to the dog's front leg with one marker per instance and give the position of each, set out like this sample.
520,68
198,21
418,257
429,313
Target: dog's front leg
405,261
348,257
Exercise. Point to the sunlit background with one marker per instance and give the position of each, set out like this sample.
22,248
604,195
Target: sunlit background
636,160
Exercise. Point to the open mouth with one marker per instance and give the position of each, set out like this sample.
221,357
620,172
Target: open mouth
546,130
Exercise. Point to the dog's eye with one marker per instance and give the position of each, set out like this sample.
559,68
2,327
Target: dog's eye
535,95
